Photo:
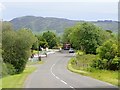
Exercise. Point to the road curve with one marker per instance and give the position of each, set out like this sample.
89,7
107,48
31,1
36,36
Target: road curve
54,74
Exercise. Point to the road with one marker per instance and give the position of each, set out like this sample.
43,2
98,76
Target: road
54,74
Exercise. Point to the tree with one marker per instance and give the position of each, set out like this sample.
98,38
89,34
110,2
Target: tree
108,56
86,36
59,41
17,48
41,42
66,35
50,38
7,26
35,45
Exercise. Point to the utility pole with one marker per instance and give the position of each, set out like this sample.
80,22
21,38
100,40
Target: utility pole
39,57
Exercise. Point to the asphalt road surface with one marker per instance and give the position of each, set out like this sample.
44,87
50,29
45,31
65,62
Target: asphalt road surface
54,74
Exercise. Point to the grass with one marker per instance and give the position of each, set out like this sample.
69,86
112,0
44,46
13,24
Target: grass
82,61
103,75
35,62
69,66
16,81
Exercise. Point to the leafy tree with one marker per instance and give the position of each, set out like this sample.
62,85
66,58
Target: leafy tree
8,41
59,41
108,56
35,45
42,42
86,36
16,48
50,38
66,36
7,26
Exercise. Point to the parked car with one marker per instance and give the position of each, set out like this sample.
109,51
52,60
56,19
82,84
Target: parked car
71,50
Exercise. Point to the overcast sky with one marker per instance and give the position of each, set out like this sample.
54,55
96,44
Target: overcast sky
84,10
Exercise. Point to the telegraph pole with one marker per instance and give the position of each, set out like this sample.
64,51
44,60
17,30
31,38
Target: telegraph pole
39,57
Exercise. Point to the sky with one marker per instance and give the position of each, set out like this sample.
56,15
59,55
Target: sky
91,10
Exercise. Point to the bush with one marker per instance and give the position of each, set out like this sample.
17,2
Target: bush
4,70
7,69
98,63
116,63
10,69
107,57
80,52
82,61
16,48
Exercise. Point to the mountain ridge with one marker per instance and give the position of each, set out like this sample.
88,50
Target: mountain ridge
41,24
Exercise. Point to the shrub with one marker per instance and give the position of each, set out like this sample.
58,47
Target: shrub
10,69
4,70
107,57
82,61
7,69
16,48
80,52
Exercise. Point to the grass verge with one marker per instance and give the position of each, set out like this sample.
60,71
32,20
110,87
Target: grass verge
103,75
35,62
69,66
16,81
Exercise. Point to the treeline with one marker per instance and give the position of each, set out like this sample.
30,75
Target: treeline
47,39
17,47
93,40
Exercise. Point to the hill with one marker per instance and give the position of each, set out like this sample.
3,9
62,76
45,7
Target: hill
41,24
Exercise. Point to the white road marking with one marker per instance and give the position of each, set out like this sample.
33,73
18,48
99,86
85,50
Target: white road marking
71,87
63,82
51,70
57,77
